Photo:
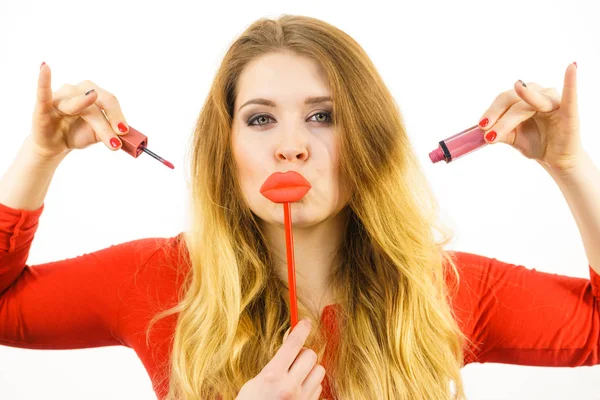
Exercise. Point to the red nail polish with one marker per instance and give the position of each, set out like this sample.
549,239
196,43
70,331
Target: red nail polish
114,142
575,64
122,127
42,65
483,123
490,136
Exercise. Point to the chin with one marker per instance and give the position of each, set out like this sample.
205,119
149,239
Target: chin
302,215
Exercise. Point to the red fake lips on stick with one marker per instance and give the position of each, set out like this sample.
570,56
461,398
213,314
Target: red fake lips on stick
286,188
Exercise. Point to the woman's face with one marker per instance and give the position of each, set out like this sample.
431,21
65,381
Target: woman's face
289,135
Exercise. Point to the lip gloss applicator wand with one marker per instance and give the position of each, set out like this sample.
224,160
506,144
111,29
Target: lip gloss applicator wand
135,143
286,188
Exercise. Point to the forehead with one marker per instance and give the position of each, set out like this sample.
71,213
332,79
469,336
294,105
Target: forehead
281,76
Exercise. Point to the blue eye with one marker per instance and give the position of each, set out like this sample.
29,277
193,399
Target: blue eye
256,117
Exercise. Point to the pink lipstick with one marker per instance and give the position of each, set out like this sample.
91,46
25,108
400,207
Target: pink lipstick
134,144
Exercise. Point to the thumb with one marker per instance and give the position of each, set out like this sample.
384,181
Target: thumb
44,90
569,93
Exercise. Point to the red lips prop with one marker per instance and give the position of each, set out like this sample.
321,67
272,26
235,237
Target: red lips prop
287,188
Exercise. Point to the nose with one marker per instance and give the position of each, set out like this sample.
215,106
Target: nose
292,151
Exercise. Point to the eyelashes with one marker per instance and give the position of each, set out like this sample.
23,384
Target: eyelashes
251,121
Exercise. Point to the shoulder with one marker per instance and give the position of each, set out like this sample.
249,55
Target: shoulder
476,273
472,265
146,262
157,268
147,251
480,278
160,257
469,287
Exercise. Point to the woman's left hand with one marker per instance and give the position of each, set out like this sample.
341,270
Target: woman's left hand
538,122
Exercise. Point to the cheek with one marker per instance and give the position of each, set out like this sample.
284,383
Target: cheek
338,180
333,157
247,161
335,153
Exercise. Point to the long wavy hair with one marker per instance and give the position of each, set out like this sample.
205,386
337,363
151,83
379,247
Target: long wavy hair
397,337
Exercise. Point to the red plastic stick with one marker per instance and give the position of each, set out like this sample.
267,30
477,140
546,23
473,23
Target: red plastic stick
289,246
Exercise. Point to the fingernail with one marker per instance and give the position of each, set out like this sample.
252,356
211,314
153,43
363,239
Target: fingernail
90,91
42,65
122,127
483,123
490,136
575,64
114,142
522,83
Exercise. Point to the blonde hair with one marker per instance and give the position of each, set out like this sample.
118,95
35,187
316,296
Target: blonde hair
398,338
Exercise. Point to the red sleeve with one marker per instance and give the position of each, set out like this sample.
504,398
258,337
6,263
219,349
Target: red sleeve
517,315
67,304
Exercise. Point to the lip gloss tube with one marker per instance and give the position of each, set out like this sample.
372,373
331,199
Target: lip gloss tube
458,145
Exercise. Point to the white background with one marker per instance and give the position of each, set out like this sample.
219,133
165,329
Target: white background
444,62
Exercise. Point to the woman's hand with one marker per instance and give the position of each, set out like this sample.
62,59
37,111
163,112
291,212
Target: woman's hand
69,119
291,374
538,122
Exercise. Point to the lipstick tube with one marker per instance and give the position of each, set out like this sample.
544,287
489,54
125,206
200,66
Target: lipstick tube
458,145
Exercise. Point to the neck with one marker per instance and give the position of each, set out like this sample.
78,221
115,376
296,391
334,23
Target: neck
315,255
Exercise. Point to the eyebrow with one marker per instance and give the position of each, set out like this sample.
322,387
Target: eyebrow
270,103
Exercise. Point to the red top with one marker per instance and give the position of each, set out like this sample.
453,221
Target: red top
106,298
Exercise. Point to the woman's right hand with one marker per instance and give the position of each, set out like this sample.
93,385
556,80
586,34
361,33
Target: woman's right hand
69,119
291,374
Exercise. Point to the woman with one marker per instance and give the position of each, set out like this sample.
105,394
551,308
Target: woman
393,314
